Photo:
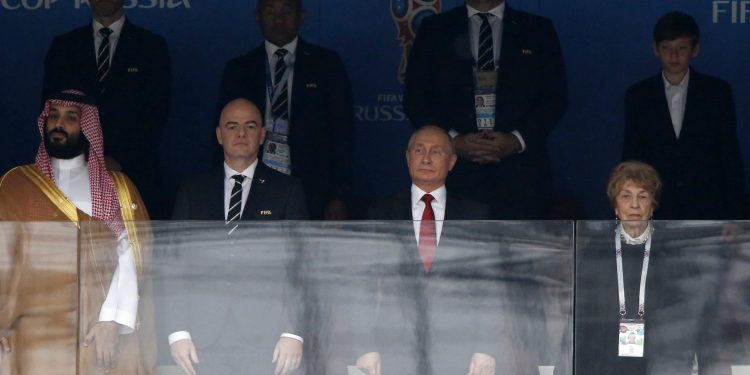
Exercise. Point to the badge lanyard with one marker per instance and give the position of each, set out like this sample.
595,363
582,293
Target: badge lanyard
620,278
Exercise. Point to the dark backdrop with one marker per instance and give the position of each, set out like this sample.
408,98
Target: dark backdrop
607,46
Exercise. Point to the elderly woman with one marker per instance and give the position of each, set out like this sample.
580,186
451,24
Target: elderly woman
642,304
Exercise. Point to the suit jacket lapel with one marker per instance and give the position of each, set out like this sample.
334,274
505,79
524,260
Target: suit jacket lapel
464,68
402,206
258,193
662,117
692,101
89,51
259,71
509,43
301,76
125,44
214,200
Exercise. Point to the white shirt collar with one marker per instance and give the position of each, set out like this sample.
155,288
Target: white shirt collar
497,11
630,240
68,164
290,47
116,27
416,195
682,85
249,172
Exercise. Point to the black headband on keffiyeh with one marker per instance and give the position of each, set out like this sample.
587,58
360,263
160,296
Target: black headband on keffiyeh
104,202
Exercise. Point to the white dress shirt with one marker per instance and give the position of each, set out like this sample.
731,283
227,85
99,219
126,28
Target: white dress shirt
496,24
291,50
249,173
438,207
121,303
676,99
116,28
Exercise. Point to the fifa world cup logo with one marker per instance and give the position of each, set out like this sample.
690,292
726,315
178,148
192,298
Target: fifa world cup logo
408,14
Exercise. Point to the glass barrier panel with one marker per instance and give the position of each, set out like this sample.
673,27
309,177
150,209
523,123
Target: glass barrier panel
357,293
679,305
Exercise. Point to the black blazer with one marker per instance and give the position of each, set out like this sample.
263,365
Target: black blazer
133,100
681,306
702,170
531,97
321,117
454,310
205,301
273,196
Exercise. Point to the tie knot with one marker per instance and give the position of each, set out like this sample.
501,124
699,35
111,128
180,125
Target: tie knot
105,31
427,198
280,53
485,16
238,178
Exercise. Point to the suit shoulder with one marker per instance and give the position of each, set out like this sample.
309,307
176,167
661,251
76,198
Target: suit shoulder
644,85
710,81
72,37
318,49
201,180
275,177
386,208
243,59
75,33
145,34
442,20
530,18
469,208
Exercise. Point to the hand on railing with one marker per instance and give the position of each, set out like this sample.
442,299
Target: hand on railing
105,336
369,362
184,355
482,364
4,347
287,355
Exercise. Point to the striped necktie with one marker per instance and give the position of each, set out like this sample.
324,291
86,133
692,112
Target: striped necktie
485,52
280,106
102,57
235,203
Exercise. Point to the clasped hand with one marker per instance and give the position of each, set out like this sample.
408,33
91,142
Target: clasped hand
487,146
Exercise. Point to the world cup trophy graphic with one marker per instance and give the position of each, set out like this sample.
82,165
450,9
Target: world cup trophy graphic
408,14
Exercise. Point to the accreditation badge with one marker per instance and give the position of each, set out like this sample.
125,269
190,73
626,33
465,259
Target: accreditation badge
485,99
276,153
280,126
631,338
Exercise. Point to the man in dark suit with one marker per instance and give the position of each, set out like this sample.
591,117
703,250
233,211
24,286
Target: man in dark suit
430,156
126,69
305,94
242,190
683,123
512,61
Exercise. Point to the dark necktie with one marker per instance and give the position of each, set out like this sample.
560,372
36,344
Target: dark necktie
102,57
485,52
279,105
427,233
235,203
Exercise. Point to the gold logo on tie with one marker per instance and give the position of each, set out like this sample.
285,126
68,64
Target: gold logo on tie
311,85
265,212
527,52
133,70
